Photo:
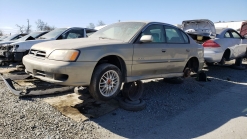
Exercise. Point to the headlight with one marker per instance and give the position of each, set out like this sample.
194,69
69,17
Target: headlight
64,55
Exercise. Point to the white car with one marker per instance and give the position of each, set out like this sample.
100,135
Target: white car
31,36
15,51
220,45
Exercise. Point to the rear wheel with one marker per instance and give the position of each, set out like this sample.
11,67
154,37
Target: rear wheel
106,82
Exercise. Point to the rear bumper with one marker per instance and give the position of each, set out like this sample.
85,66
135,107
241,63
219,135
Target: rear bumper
59,72
212,56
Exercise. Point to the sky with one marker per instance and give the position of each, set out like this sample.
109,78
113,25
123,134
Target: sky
79,13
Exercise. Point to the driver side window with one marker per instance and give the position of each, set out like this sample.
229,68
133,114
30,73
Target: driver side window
156,31
72,34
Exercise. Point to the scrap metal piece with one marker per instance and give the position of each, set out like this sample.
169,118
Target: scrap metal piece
29,91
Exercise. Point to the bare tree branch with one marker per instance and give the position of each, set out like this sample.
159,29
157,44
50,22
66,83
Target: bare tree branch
21,28
100,23
91,25
41,25
28,28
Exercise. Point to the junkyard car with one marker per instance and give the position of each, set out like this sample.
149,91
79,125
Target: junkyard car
15,51
220,45
14,37
121,52
31,36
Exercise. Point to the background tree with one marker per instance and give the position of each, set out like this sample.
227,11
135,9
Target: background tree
100,23
91,25
21,28
1,33
41,25
28,28
24,29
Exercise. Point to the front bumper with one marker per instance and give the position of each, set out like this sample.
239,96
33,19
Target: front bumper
59,72
212,56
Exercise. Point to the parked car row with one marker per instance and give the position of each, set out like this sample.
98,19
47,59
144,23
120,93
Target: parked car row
127,52
14,50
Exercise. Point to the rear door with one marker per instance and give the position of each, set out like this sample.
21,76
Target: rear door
150,58
178,48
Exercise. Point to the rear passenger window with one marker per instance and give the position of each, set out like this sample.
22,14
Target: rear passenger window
186,39
173,35
227,35
235,35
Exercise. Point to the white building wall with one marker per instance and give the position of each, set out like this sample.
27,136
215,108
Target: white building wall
234,25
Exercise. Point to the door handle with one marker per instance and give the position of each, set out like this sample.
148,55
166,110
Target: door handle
163,50
187,50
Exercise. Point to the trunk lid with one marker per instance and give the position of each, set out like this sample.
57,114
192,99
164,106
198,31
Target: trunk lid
200,27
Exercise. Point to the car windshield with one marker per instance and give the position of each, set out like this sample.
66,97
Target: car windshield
10,37
33,34
54,33
123,31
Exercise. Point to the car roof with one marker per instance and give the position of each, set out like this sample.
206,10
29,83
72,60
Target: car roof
150,22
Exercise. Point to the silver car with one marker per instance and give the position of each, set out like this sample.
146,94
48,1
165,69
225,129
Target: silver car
120,52
220,45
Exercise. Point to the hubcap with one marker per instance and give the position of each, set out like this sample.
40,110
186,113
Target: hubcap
109,83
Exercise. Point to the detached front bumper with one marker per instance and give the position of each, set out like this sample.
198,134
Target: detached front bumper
59,72
27,91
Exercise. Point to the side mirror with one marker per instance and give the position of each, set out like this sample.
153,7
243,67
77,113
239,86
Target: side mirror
146,38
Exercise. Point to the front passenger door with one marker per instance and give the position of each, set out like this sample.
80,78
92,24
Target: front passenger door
149,58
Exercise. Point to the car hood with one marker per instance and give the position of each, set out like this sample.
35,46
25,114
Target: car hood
243,30
6,42
48,47
29,42
202,27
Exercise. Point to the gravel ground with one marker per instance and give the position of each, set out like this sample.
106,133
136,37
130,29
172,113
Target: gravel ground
30,117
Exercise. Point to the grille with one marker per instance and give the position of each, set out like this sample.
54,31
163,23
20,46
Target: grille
37,53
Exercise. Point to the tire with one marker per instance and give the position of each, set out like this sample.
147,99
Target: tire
132,106
102,72
222,61
187,72
133,90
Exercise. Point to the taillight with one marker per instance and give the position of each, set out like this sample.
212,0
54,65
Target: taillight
210,43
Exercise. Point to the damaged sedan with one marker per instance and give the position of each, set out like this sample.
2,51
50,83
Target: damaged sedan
220,45
120,52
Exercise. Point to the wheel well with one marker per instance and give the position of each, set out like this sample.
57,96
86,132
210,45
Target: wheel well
114,60
193,64
226,54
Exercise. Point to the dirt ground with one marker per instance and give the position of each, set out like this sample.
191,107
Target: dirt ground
213,109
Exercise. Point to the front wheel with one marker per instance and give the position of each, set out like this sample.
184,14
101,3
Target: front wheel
106,82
